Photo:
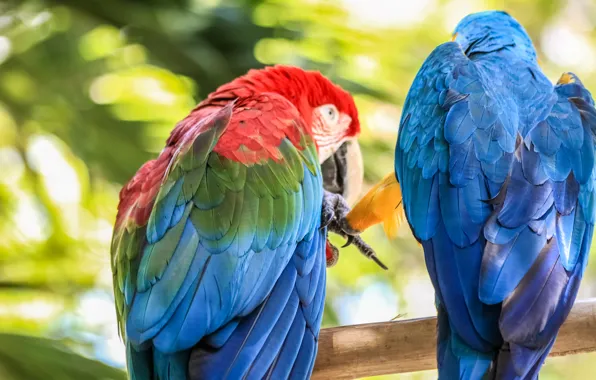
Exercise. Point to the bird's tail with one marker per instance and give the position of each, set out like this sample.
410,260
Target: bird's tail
455,359
512,358
149,364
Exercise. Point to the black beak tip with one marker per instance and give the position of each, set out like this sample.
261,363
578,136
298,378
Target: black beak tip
334,171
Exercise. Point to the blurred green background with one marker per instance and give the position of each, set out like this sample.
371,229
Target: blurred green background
90,89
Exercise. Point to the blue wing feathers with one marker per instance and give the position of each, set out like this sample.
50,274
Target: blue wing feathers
151,309
161,219
531,167
516,210
275,340
266,340
221,336
566,194
289,350
505,214
303,365
525,313
449,282
459,125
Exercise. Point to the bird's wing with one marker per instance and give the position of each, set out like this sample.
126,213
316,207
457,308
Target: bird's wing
540,233
204,244
455,146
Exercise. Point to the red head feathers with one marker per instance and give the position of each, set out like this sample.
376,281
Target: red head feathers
328,111
307,90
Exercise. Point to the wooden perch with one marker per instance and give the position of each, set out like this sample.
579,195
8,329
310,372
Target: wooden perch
351,352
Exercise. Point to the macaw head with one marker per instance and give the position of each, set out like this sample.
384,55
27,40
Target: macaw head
327,109
332,115
490,31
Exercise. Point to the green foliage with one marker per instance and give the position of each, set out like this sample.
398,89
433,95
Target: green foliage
89,90
24,357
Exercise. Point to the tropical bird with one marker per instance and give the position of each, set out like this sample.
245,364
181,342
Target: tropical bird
218,253
496,169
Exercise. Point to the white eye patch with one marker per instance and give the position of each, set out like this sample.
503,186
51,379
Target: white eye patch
329,113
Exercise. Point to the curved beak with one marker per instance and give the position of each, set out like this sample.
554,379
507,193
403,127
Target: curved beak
343,172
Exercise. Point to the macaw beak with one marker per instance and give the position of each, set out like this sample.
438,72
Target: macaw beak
343,172
382,204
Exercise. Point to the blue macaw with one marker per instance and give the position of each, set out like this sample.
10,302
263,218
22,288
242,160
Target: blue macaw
496,169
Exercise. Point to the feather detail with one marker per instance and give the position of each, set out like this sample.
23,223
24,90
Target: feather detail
382,204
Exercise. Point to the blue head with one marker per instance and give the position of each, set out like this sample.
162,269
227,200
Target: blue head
490,31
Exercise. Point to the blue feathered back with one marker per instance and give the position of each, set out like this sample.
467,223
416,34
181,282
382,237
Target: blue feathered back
496,167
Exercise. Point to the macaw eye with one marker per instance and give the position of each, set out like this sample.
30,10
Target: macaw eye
330,113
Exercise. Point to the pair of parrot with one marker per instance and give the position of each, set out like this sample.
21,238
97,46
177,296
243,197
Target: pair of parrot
220,246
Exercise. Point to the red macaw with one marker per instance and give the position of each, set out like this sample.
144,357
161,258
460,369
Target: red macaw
218,252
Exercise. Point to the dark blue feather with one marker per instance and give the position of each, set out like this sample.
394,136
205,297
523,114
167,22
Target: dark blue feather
305,359
424,212
566,194
503,267
532,167
463,164
289,350
221,336
544,139
528,308
516,209
454,284
582,160
459,125
461,227
265,341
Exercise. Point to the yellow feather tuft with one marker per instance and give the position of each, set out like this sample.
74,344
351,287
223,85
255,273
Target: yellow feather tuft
392,223
566,78
382,204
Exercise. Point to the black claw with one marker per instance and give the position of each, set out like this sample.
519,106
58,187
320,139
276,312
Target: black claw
367,251
349,242
379,262
335,210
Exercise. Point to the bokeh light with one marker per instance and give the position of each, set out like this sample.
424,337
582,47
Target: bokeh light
89,93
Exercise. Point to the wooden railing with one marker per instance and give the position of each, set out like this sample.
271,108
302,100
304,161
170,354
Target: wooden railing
351,352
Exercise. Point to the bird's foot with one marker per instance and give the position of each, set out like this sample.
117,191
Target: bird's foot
333,216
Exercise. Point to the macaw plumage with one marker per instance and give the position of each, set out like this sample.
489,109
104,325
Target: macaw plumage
218,252
496,169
